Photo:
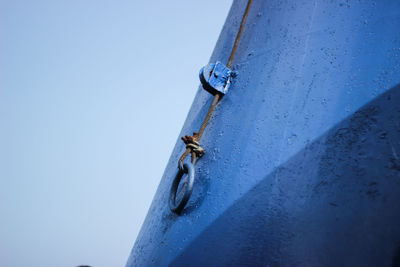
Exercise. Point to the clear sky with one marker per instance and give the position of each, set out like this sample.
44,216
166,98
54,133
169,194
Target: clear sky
93,95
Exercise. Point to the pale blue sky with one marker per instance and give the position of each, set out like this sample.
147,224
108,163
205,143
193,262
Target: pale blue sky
93,95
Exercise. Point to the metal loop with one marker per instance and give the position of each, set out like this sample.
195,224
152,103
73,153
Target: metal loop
188,169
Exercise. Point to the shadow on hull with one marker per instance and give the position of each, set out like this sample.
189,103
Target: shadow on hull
335,203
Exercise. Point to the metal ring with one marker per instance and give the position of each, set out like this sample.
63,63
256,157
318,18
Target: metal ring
188,169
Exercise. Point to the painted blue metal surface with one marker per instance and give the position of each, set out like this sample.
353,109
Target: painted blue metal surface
303,155
215,78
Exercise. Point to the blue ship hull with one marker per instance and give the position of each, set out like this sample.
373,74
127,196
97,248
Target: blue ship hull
302,162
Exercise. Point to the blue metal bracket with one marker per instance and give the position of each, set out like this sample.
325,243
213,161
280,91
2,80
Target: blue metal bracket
216,78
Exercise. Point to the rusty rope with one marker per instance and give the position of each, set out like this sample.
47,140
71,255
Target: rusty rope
192,142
